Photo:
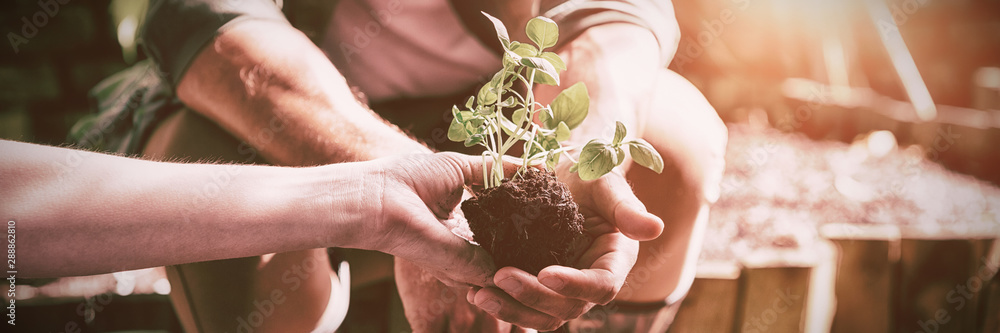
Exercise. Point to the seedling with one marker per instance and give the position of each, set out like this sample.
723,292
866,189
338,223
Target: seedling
530,220
482,121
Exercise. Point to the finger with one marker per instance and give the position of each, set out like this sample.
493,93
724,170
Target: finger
466,317
473,166
471,294
612,248
526,289
603,280
614,200
502,306
439,178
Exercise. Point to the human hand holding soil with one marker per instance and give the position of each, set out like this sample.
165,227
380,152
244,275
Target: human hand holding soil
394,205
577,248
616,220
419,196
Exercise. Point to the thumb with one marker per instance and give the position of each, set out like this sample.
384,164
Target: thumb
473,168
615,202
440,184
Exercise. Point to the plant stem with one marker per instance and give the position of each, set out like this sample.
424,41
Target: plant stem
498,159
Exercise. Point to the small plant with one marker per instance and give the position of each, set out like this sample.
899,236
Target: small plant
483,122
530,220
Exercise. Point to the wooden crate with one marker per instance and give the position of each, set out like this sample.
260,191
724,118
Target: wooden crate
938,283
989,309
710,305
864,279
774,291
822,303
868,256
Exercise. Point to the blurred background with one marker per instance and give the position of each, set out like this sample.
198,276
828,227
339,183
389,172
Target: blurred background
851,67
863,163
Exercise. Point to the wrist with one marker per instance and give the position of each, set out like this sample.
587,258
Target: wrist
351,207
311,207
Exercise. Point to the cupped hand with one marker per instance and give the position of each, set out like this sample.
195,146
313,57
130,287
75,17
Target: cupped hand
616,219
430,306
417,200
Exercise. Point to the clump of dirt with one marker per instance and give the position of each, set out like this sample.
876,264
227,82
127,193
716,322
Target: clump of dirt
530,222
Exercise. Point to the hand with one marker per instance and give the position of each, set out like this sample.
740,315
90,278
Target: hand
616,219
417,198
430,306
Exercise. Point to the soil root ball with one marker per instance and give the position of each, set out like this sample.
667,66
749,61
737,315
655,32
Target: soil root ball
530,222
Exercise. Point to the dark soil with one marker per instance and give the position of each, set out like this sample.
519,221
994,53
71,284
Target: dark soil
530,222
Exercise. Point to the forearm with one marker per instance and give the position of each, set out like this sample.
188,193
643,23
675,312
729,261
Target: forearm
268,85
109,213
618,62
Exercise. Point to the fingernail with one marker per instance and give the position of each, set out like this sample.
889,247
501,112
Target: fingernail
510,285
491,306
553,283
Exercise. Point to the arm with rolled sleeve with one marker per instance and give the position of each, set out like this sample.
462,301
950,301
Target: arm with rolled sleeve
240,64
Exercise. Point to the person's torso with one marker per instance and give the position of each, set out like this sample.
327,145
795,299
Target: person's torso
398,49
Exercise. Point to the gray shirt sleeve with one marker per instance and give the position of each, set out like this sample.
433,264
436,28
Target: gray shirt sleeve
575,16
175,31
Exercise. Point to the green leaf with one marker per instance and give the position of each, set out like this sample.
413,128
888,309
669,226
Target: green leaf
519,116
474,123
486,110
511,58
620,154
549,142
619,133
543,78
562,132
495,81
501,30
509,102
464,116
543,31
545,115
508,127
542,65
596,159
479,125
556,61
473,140
552,159
644,154
468,104
508,83
570,106
525,50
487,95
531,147
457,132
574,167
